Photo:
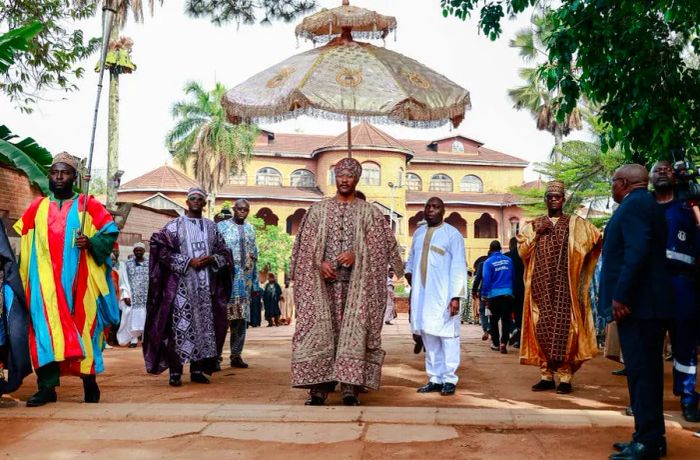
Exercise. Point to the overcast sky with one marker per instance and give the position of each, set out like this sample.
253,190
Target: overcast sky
172,48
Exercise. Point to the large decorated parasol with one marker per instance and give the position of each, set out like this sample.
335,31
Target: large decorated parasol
349,79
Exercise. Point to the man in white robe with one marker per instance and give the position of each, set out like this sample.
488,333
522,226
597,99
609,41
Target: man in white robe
133,288
437,272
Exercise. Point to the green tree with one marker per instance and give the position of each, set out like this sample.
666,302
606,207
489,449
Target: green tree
205,141
51,60
274,246
248,11
27,156
535,96
586,171
631,59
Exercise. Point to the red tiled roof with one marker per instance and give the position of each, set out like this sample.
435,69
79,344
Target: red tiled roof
483,199
367,135
538,184
163,179
270,192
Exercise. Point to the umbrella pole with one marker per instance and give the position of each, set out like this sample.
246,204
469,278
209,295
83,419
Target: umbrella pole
108,12
349,138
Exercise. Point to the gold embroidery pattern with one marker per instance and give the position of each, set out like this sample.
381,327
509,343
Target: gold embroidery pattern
349,78
280,78
418,80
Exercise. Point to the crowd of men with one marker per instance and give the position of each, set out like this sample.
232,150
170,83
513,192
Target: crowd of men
200,283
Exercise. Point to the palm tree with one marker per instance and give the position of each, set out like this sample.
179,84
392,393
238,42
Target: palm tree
535,96
124,7
205,141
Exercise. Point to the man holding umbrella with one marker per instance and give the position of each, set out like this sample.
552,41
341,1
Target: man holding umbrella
67,281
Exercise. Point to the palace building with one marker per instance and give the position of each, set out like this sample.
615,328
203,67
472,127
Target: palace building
289,172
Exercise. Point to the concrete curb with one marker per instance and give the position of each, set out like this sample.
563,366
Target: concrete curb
258,413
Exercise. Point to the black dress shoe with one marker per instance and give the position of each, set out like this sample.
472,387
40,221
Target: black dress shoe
544,385
637,451
198,377
431,387
620,446
238,362
175,380
564,388
315,401
448,389
620,372
91,390
690,413
419,344
351,401
41,397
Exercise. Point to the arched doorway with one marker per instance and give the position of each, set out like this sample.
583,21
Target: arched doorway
294,221
485,227
458,222
269,217
413,222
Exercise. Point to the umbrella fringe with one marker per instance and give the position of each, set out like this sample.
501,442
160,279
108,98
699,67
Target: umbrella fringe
420,117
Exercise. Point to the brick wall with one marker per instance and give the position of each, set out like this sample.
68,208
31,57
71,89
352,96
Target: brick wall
15,195
143,222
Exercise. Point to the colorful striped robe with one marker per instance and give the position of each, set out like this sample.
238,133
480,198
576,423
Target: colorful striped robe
70,294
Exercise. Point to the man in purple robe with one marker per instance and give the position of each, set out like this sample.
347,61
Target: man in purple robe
190,281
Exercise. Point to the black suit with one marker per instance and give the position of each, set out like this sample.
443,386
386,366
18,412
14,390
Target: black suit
634,273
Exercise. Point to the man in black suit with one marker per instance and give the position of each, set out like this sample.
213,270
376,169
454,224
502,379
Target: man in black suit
634,283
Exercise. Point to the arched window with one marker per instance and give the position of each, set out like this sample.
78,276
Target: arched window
514,226
414,182
302,178
240,178
485,227
331,175
457,147
471,183
268,176
371,174
457,222
441,183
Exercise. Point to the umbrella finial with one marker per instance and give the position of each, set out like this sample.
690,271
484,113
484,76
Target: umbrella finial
346,2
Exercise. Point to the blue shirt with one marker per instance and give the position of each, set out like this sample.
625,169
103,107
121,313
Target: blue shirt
497,276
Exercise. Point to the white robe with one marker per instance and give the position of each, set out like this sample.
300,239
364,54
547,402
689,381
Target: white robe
133,320
439,273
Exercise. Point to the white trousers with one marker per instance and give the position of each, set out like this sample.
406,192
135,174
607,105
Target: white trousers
441,358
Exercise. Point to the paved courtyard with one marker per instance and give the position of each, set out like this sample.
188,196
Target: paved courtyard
252,413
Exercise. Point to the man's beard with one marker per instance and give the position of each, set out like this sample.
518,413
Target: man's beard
54,188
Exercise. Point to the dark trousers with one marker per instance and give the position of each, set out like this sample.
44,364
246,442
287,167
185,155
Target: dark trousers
238,330
685,332
501,309
207,365
642,342
48,376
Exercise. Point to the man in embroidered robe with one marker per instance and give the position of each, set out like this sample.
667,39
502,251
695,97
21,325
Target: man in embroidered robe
560,253
133,285
14,321
190,284
239,236
67,281
437,271
339,264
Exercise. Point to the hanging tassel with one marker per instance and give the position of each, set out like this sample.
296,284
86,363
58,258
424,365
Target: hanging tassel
395,34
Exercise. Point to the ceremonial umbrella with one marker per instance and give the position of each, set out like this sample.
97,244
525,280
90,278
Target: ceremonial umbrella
346,78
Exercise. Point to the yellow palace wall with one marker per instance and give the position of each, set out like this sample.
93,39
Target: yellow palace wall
498,179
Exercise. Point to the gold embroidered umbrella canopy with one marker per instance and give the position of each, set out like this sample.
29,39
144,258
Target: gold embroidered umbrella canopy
349,79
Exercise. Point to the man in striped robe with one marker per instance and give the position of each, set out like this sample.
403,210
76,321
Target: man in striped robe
67,281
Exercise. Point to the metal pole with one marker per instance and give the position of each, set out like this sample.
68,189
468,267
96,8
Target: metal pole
349,138
108,12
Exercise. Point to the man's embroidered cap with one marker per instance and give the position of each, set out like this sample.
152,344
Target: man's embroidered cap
350,166
139,245
196,191
555,186
68,159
